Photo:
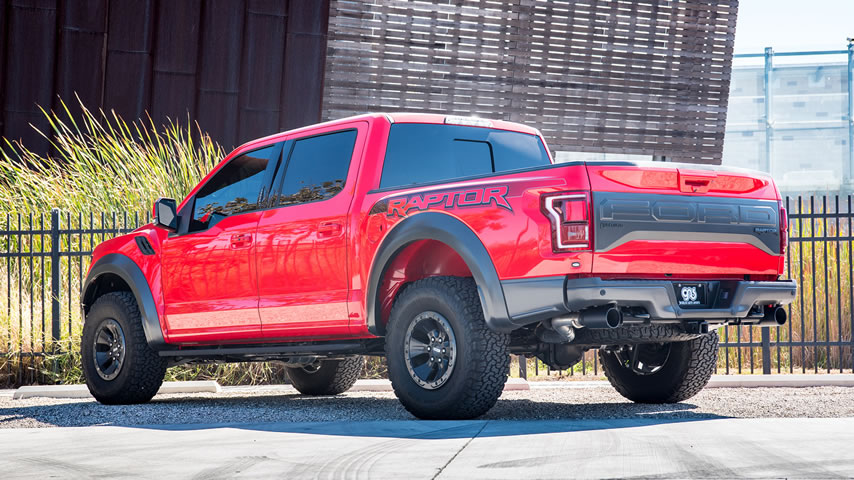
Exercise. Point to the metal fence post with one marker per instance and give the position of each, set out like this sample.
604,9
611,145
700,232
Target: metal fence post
769,128
54,278
849,170
523,366
766,350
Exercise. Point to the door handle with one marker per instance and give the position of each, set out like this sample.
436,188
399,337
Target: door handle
241,240
329,229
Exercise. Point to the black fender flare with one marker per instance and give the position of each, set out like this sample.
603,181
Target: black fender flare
125,268
457,235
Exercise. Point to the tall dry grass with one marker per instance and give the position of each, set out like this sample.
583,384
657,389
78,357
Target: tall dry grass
101,167
102,163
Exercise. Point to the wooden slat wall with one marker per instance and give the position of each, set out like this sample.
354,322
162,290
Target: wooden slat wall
219,71
4,17
241,68
647,77
31,27
127,85
82,31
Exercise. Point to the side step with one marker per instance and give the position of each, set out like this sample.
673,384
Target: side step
271,350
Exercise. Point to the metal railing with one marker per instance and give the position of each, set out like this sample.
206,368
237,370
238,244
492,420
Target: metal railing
43,262
44,259
818,334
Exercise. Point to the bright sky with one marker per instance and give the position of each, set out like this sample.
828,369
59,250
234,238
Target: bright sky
793,25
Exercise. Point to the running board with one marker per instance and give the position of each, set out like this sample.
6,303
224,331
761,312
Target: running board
284,350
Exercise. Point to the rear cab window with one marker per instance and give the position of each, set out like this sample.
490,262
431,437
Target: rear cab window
426,153
316,168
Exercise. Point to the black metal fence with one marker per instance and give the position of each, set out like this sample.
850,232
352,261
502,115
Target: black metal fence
44,259
43,262
818,335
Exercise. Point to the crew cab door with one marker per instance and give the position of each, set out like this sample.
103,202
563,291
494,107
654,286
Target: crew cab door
302,240
209,278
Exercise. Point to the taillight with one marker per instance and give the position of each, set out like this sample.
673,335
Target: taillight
569,215
784,229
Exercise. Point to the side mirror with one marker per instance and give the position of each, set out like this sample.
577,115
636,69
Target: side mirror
166,214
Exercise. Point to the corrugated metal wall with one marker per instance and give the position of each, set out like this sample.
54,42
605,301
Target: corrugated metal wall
242,68
647,77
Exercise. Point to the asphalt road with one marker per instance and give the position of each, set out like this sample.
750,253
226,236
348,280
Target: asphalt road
404,449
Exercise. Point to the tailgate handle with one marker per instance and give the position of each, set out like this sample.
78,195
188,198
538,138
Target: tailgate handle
695,182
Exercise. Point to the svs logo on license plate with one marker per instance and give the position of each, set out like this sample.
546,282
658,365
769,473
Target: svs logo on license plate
690,294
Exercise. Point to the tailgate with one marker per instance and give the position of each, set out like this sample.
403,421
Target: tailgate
684,220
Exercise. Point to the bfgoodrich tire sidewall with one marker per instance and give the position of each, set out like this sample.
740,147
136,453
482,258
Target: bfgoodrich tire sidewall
444,397
97,315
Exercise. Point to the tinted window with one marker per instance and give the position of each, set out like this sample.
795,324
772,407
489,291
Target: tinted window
317,167
235,188
421,153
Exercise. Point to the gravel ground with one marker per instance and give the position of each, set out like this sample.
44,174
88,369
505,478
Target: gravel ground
247,405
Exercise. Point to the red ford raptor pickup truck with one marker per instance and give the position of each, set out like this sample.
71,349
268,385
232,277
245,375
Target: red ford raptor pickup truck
445,244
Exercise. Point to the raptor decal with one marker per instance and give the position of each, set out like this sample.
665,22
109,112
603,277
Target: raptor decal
470,197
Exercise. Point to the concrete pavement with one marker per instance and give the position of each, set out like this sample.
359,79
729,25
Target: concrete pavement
778,447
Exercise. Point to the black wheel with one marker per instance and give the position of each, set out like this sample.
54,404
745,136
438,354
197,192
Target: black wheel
661,372
327,377
443,361
119,366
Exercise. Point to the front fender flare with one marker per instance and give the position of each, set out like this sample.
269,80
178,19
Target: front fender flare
457,235
125,268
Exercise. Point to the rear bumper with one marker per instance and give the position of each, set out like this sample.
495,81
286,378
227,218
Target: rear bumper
536,299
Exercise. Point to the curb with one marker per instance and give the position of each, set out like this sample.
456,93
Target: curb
783,380
81,391
731,381
513,384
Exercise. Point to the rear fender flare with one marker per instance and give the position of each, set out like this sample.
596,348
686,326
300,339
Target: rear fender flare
125,268
455,234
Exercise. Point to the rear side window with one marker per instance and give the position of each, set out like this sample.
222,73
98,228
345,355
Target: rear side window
235,188
317,168
423,153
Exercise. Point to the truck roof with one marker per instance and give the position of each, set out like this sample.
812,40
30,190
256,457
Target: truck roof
403,117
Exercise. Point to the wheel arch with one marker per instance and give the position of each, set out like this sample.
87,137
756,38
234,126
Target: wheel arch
459,238
116,272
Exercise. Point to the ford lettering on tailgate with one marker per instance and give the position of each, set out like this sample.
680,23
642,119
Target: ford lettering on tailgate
623,217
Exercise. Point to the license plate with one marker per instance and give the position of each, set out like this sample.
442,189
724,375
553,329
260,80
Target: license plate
690,294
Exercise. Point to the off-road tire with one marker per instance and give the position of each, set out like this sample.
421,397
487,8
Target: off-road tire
331,377
141,374
630,335
482,355
686,371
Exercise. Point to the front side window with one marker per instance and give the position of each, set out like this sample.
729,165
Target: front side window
424,153
235,188
317,168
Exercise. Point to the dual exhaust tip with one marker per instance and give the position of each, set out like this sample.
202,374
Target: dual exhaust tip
774,317
609,316
605,316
